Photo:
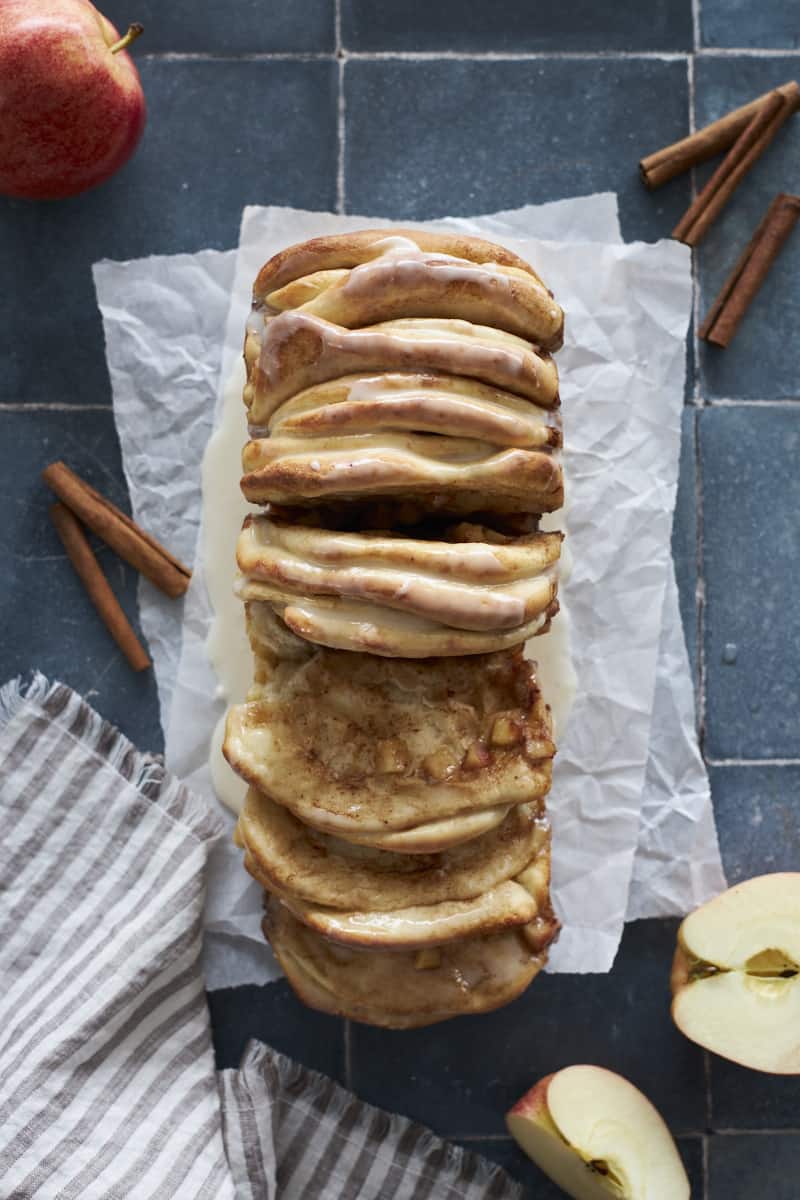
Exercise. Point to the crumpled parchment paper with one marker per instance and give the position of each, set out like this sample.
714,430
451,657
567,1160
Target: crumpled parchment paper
633,827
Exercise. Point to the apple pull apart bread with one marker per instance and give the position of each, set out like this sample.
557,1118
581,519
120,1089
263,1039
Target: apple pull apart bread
405,437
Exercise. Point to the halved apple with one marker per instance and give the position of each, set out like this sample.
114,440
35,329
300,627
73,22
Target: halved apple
596,1136
736,974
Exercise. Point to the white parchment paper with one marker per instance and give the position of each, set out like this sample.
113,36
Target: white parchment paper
622,779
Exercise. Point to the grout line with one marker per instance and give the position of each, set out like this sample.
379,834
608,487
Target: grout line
479,1137
458,56
756,1132
700,587
348,1054
703,1136
504,1137
753,762
340,112
54,406
696,25
696,398
706,1180
337,28
749,52
65,406
707,1086
341,136
789,402
512,56
209,56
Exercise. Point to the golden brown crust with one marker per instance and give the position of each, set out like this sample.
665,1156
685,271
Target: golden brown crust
459,585
288,857
388,989
395,740
431,402
454,475
341,739
351,249
410,284
297,350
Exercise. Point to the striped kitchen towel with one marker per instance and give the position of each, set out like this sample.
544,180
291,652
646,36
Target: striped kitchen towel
107,1080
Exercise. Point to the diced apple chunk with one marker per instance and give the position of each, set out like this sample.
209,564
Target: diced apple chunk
506,731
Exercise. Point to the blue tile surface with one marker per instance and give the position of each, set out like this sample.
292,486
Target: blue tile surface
273,1015
742,1167
684,535
46,617
758,819
763,360
512,133
462,1078
201,160
236,27
771,24
538,1187
742,1099
508,25
751,496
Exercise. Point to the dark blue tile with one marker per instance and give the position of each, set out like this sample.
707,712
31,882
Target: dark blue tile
539,1187
742,1099
751,497
742,1166
763,360
507,25
47,620
236,27
273,1015
508,1155
220,135
459,137
770,24
461,1078
684,536
758,819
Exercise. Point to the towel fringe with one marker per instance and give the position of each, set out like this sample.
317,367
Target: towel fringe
293,1078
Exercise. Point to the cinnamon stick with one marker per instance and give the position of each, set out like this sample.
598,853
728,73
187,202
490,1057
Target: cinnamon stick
122,534
746,150
750,271
91,575
720,135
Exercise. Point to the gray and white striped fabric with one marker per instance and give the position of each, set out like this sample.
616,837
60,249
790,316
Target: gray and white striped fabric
295,1134
107,1080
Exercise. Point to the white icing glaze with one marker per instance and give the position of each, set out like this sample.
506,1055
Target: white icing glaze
368,404
410,268
228,787
555,669
368,628
466,585
393,244
224,509
409,343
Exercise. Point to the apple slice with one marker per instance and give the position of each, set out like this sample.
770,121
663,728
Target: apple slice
596,1136
736,974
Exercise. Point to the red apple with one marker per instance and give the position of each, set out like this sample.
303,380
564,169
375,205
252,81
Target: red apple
71,104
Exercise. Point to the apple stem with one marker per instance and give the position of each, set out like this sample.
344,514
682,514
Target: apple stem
131,36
